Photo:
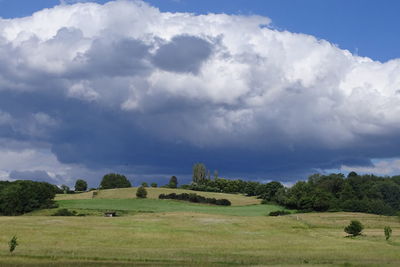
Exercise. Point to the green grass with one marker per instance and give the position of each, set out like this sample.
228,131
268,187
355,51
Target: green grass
187,238
156,205
155,232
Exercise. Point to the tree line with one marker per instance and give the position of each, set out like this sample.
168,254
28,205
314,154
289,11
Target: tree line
20,197
333,192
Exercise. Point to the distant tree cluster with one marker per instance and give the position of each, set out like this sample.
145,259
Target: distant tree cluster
356,193
195,198
20,197
203,182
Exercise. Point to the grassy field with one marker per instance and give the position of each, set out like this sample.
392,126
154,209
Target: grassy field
186,238
156,205
153,193
155,232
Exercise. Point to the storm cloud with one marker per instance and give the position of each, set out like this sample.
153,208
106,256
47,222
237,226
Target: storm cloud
125,87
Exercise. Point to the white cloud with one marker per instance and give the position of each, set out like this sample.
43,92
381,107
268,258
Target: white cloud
379,167
204,80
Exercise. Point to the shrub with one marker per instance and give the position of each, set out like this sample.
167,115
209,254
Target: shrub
354,228
64,212
12,244
388,232
279,213
154,185
192,197
141,192
223,202
144,184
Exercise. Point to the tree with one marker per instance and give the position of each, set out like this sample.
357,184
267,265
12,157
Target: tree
199,173
354,228
65,188
352,174
20,197
144,184
12,244
80,185
173,182
215,174
388,232
154,185
114,180
141,192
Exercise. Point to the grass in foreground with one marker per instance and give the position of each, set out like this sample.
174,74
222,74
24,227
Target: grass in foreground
199,239
153,193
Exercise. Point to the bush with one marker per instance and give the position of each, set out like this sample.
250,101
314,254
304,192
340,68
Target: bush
141,192
154,185
388,232
12,244
144,184
192,197
64,212
354,228
279,213
223,202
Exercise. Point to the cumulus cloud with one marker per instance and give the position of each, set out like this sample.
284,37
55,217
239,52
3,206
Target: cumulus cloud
123,84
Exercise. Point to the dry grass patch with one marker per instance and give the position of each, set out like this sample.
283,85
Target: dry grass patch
153,193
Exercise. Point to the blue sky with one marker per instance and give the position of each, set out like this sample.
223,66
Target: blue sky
367,27
149,89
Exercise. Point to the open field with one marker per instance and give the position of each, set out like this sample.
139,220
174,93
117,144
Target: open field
177,233
186,238
156,205
153,193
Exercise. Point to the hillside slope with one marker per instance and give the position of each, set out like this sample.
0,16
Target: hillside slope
153,193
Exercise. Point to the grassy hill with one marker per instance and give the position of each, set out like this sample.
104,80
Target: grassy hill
124,200
153,193
166,232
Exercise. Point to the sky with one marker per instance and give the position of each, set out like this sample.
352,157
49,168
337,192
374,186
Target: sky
262,90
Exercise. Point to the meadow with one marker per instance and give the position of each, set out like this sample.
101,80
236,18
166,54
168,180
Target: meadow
165,232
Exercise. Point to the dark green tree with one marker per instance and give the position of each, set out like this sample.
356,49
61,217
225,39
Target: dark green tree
20,197
154,185
12,244
173,182
114,180
388,232
354,228
352,174
141,192
144,184
80,185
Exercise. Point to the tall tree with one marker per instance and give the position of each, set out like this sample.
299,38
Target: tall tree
199,173
173,182
80,185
